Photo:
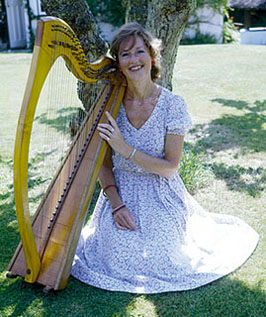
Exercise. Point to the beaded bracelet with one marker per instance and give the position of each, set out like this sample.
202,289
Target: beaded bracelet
118,208
105,188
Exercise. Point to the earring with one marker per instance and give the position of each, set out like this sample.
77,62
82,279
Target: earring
153,63
120,69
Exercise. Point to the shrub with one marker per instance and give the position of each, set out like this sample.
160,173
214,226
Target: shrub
111,11
194,172
199,39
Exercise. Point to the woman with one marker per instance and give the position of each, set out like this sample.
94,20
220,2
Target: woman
147,234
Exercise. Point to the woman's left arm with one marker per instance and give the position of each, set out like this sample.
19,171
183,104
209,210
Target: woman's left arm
165,167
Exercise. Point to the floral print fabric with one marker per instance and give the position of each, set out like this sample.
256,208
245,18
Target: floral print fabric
178,245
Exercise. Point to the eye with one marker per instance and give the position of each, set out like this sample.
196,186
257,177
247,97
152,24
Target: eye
124,54
140,51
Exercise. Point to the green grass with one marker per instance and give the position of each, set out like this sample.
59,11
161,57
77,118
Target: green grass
224,87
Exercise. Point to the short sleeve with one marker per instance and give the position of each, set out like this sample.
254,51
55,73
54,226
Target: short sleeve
178,120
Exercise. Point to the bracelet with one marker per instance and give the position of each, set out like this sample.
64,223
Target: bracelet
132,154
105,188
118,208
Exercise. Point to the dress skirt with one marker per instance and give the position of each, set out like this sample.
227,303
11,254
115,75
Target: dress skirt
178,245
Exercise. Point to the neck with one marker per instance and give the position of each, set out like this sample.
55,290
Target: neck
140,91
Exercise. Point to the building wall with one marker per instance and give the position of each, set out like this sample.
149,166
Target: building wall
16,20
206,21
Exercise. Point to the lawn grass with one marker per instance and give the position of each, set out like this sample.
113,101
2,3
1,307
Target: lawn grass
224,86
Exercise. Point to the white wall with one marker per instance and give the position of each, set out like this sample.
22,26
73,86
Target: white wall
211,23
36,9
255,36
16,23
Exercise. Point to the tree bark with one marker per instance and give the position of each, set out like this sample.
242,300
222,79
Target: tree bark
165,19
78,15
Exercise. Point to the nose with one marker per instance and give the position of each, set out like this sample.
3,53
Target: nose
133,58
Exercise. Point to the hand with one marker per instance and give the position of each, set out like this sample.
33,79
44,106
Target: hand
124,220
111,133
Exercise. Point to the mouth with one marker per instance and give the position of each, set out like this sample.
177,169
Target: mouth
135,68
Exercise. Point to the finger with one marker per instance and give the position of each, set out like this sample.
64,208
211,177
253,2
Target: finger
122,220
132,224
106,126
111,119
105,131
104,136
128,222
118,226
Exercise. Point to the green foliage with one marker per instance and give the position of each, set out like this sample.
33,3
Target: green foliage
214,4
108,11
3,22
218,6
199,39
32,17
193,169
230,31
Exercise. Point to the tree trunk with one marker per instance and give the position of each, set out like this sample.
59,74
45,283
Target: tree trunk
166,20
78,15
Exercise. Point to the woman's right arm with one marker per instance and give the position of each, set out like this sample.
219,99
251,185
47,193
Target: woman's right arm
123,218
107,178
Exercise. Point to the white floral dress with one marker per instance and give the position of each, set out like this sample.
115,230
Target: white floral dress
178,245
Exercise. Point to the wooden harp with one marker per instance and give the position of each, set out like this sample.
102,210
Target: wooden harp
48,242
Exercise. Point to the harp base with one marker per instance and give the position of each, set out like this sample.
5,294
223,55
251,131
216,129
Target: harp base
48,290
11,275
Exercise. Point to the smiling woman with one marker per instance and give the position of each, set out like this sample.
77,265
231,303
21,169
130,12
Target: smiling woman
147,234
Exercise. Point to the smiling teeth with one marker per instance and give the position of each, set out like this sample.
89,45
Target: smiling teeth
135,68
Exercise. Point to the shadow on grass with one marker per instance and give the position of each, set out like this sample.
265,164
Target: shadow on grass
8,225
224,297
8,220
237,178
61,123
259,106
234,131
221,298
241,133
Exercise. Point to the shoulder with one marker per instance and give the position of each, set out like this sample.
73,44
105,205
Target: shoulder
176,115
172,101
171,96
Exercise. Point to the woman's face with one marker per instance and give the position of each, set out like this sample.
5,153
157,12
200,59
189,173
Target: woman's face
135,59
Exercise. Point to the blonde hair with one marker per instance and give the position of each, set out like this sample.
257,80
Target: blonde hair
153,44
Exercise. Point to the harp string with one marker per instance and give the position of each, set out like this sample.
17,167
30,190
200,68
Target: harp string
59,110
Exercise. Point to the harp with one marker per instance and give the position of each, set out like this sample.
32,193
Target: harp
49,240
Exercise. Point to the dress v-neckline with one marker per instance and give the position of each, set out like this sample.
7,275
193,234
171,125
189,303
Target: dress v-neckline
150,116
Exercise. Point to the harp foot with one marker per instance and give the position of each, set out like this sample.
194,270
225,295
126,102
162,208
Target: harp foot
11,275
47,289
